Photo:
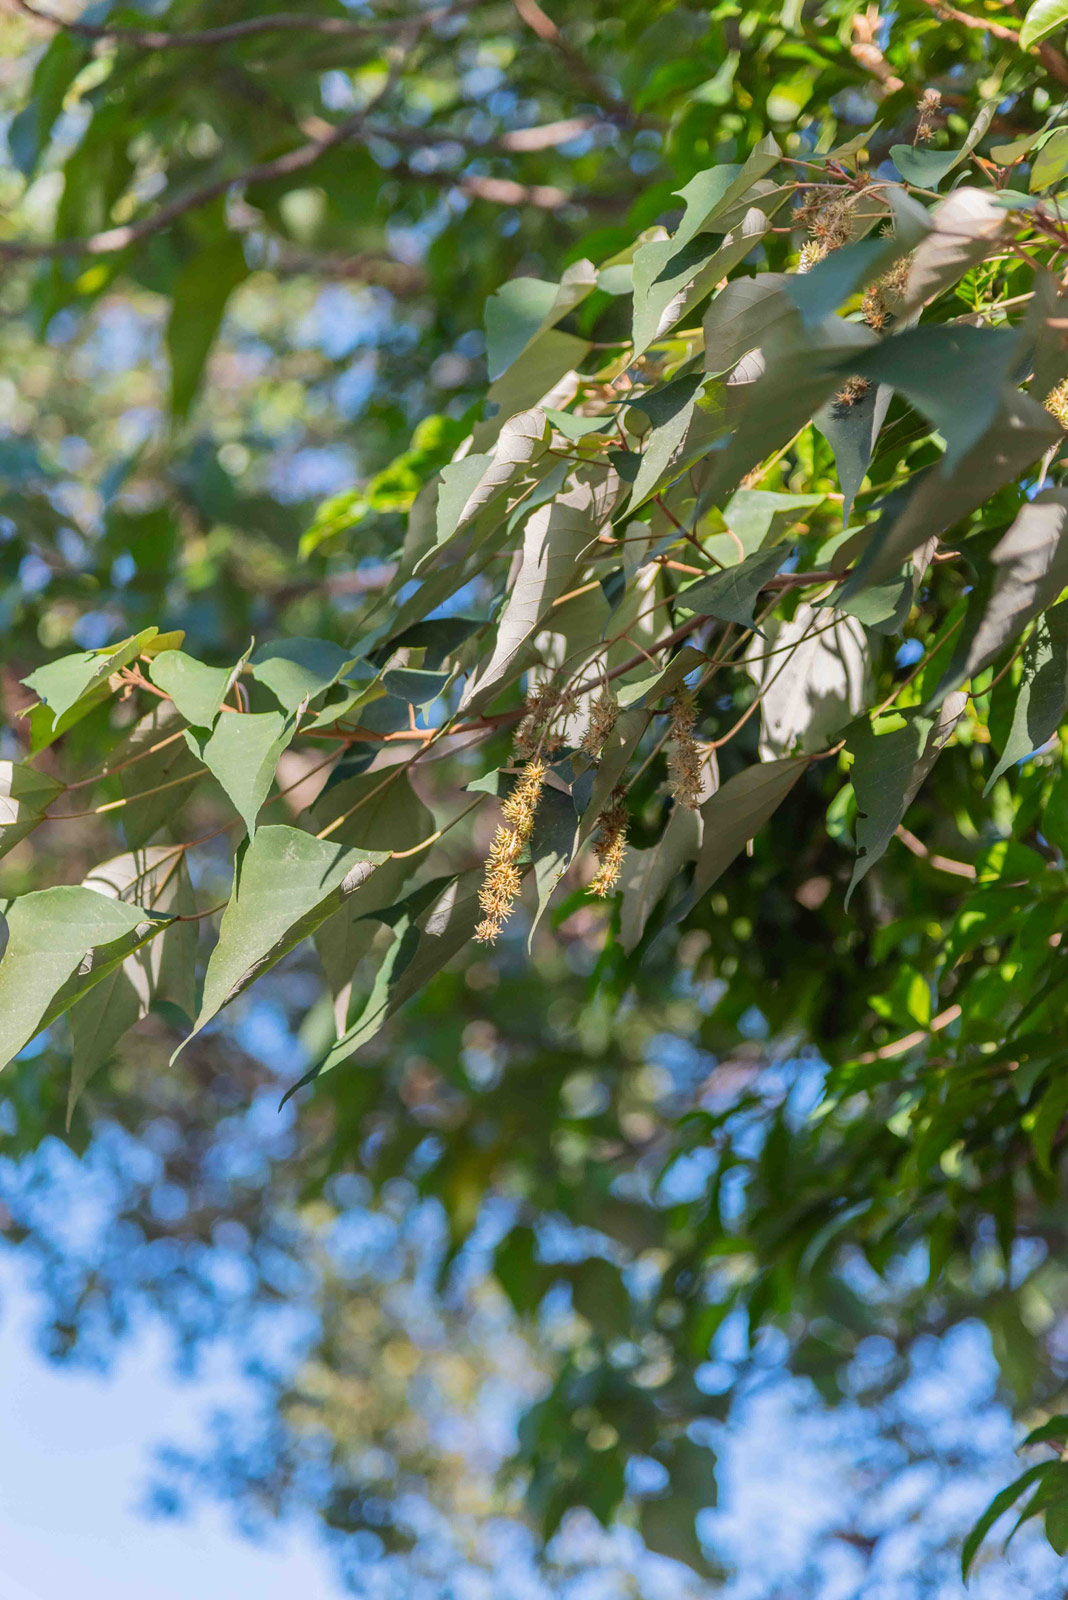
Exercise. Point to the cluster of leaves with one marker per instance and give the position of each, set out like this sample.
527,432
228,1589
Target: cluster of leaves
724,537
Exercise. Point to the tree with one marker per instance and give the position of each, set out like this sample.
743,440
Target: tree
693,626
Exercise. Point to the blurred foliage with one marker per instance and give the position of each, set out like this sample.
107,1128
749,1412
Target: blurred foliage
245,284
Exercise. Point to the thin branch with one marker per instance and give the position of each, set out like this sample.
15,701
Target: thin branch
530,12
283,22
111,240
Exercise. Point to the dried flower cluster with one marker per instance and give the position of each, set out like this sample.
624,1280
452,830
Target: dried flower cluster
883,298
603,715
928,105
611,846
501,884
534,734
827,213
1057,403
852,390
684,758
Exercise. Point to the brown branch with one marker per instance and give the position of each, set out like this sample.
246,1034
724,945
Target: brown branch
1050,57
530,12
284,22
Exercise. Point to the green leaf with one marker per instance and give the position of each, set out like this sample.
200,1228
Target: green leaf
197,691
997,1508
745,313
414,686
25,796
242,753
851,429
1053,1431
373,811
1030,570
49,934
286,884
735,814
424,938
155,786
161,970
669,274
1043,18
1042,695
198,299
926,168
1018,435
965,228
732,595
1051,162
555,537
298,669
888,769
648,874
63,683
524,308
1047,1118
667,1527
553,843
669,409
476,484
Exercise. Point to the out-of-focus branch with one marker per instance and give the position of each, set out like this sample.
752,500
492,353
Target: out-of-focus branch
228,33
530,12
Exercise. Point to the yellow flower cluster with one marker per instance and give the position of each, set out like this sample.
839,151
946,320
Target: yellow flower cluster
611,846
684,758
502,881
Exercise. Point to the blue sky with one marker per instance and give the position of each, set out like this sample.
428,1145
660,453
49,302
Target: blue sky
76,1447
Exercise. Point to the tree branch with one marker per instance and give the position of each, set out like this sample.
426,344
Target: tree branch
530,12
283,22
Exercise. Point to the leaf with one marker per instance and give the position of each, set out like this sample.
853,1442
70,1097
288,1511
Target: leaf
926,168
735,814
373,811
242,753
1049,1114
669,410
888,770
667,1528
818,682
851,430
965,229
25,796
732,595
30,130
198,299
555,537
524,308
197,691
162,970
299,669
944,494
553,843
424,938
1042,694
1043,18
345,938
155,786
997,1508
648,874
664,291
1051,162
742,316
475,483
50,931
414,686
665,267
286,884
63,683
1031,569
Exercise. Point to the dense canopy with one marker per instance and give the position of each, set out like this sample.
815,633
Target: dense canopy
534,553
